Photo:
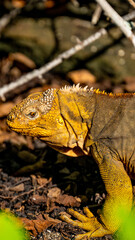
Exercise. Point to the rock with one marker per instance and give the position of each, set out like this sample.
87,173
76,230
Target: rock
35,38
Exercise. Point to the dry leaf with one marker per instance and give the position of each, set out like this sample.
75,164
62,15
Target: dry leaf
5,108
129,79
18,188
54,192
17,139
38,199
22,59
13,137
18,3
82,76
38,225
43,181
69,201
15,72
130,87
49,4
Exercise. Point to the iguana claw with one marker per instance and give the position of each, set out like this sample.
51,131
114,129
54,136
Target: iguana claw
87,222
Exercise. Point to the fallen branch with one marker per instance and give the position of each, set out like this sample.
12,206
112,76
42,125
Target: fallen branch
129,16
118,20
96,15
8,17
39,72
132,3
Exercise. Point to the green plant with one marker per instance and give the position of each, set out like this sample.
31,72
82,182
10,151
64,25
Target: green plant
11,228
127,229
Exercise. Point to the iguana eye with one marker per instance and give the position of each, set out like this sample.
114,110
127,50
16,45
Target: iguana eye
32,115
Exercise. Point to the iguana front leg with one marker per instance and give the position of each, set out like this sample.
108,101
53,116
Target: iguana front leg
87,222
119,195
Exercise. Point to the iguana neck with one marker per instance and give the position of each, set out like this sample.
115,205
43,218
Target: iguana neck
77,109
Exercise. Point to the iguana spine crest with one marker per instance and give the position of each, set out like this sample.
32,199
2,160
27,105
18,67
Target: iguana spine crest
79,89
76,88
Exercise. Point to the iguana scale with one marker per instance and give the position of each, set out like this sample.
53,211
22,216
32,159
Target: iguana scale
80,121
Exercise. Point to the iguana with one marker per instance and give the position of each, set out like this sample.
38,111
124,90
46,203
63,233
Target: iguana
80,121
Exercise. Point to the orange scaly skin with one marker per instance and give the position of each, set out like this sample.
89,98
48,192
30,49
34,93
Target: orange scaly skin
78,121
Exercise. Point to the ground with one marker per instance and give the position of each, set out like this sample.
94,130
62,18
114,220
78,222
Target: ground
36,182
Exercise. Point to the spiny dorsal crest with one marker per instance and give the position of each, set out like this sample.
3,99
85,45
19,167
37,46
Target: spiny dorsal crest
77,88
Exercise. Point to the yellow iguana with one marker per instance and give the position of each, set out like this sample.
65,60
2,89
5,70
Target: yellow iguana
78,121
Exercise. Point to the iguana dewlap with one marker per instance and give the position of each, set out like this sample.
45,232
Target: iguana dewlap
78,121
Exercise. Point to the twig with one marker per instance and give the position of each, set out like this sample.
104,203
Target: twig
132,3
119,21
5,20
129,16
39,72
96,15
8,17
27,193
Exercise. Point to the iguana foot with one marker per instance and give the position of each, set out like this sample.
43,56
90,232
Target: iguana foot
87,222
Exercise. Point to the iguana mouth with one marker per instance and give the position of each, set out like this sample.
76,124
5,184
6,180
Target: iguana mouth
11,125
14,128
17,128
22,130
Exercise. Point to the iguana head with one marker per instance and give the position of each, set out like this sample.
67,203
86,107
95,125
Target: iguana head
41,115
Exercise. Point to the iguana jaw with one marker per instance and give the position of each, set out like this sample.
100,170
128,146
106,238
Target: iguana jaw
68,146
73,152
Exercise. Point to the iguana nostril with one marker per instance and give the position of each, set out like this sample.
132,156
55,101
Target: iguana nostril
11,117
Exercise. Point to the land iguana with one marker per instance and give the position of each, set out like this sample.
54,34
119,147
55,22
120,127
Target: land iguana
80,121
